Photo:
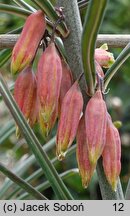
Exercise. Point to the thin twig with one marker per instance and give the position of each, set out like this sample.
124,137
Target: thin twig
113,40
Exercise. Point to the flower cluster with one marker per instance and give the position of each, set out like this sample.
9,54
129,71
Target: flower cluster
97,136
51,94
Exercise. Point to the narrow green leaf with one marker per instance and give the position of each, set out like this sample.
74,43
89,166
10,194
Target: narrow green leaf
24,4
48,8
56,182
24,14
15,31
83,4
8,130
38,173
27,187
93,20
61,47
11,88
45,185
14,10
21,169
4,56
124,55
127,194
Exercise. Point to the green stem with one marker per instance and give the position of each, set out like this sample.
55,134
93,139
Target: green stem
124,55
36,194
48,8
57,184
72,43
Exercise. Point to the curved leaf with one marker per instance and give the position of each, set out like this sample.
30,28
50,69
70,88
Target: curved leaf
21,169
22,183
124,55
24,4
93,20
8,130
83,4
38,173
61,47
45,185
14,10
5,56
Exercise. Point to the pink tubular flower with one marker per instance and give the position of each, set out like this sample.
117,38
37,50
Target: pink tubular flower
69,119
66,82
95,122
85,167
49,77
27,44
112,154
25,91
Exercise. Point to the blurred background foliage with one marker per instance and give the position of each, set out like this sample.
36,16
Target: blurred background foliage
13,150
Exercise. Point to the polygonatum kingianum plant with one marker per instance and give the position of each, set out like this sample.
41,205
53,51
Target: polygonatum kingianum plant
53,90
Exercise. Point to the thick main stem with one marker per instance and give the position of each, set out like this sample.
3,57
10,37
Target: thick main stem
73,42
73,50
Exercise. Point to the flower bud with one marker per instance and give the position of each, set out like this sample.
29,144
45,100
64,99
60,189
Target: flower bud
112,154
27,44
85,167
66,82
95,122
103,57
25,94
49,82
69,119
